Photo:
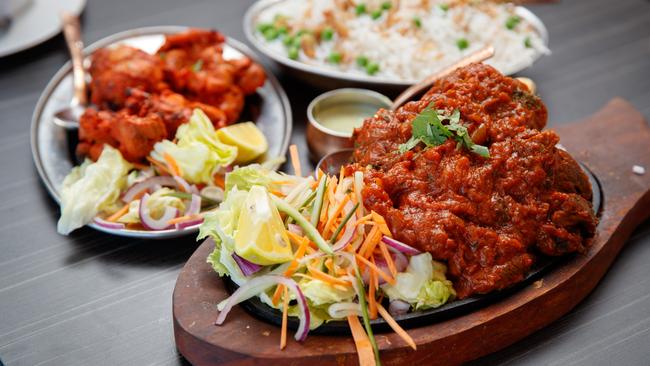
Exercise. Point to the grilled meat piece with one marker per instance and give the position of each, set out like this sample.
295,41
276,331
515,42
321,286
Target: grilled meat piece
489,218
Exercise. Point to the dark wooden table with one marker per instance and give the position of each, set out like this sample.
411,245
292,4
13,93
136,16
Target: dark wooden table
92,299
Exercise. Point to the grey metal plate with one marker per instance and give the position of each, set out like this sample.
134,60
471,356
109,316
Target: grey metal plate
53,147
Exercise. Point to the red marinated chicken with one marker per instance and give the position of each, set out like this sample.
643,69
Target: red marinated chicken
488,218
143,98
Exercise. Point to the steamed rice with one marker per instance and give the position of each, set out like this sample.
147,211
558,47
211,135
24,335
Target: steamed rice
412,39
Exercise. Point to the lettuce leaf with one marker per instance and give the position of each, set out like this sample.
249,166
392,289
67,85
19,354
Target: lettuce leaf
321,293
423,284
198,151
92,188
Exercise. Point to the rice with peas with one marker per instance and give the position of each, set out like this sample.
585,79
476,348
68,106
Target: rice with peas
397,40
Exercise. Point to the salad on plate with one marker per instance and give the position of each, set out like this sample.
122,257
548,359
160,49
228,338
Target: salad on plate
182,182
307,247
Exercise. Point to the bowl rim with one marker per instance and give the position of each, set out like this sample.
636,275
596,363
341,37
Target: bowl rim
320,98
249,31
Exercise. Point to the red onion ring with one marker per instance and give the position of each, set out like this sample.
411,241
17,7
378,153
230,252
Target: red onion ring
247,267
109,224
404,248
195,205
148,184
258,284
398,307
155,224
188,223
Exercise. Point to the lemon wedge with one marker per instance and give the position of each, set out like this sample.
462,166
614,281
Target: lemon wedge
249,140
261,237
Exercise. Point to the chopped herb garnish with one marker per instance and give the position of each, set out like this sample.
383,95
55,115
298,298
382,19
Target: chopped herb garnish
527,43
386,5
372,68
417,22
335,58
376,14
327,34
197,66
444,7
360,9
512,22
462,43
293,53
427,127
362,61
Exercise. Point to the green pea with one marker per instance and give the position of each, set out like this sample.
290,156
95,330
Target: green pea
327,34
417,22
386,5
293,53
462,43
444,7
360,9
372,68
512,22
297,41
376,14
262,27
283,30
288,40
335,58
527,43
271,34
362,61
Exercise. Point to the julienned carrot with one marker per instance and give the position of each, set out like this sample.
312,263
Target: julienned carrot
299,254
172,165
119,213
335,215
303,245
373,267
285,306
369,243
327,278
180,219
295,160
393,324
388,258
161,167
219,181
381,223
362,342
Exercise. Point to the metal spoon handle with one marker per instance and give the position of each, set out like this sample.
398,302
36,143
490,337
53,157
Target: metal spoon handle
72,33
408,94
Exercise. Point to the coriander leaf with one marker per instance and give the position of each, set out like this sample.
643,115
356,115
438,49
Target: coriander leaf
408,145
480,150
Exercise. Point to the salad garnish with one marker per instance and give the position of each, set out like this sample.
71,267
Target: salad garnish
307,247
182,182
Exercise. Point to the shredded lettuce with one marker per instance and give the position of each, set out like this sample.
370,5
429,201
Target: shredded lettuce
321,293
92,188
423,284
220,225
198,151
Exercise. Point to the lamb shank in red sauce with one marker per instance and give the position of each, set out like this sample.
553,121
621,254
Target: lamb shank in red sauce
491,217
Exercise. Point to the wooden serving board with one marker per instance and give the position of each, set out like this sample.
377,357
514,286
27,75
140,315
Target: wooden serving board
609,143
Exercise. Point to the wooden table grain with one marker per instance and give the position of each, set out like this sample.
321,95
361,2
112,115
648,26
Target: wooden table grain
92,299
